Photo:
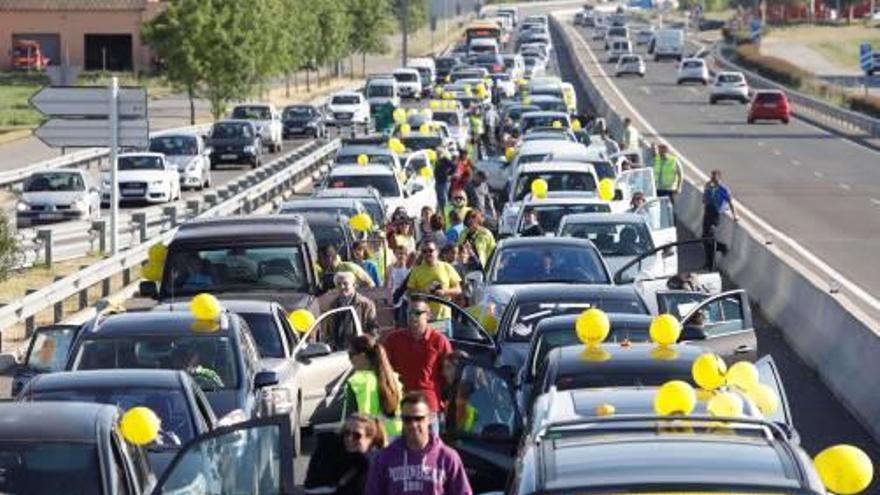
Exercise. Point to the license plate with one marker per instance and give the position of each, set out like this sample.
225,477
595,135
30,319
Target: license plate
49,216
133,191
229,156
769,105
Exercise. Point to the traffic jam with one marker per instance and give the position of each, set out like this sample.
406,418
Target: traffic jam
486,292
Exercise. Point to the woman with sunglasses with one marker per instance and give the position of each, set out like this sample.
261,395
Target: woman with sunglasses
341,463
373,388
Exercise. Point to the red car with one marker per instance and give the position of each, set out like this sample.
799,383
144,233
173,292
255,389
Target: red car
769,105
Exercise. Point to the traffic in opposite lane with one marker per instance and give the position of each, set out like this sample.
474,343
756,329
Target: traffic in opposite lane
493,300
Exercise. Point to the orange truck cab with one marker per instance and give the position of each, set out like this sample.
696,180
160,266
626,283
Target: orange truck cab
27,54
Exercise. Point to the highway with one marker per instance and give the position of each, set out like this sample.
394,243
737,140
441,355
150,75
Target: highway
818,416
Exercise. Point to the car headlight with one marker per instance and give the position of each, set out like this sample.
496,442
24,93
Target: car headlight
250,149
22,206
81,205
156,184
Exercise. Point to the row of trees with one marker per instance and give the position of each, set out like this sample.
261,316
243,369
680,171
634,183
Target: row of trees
227,50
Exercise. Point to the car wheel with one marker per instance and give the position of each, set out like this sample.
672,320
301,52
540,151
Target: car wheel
705,82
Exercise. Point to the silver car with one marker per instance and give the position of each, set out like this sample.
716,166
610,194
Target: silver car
55,196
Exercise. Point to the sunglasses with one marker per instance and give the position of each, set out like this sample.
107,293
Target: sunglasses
429,250
415,313
413,419
354,435
458,199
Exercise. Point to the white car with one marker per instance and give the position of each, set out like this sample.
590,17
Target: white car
409,82
189,154
413,195
459,129
618,49
143,177
514,64
729,86
267,119
630,64
615,33
347,108
551,210
57,195
600,30
693,70
505,84
381,90
644,36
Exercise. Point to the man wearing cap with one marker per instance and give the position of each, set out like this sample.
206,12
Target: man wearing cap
667,173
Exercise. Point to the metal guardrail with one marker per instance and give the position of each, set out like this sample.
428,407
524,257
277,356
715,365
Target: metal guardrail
252,191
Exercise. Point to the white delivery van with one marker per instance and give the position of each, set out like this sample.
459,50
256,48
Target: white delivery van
479,46
669,43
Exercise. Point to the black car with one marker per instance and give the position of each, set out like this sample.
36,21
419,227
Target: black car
46,353
221,356
173,395
444,66
235,141
302,120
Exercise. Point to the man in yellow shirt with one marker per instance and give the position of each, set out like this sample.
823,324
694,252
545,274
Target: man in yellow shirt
436,277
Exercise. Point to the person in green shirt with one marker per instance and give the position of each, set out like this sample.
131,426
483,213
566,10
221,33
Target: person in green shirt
478,237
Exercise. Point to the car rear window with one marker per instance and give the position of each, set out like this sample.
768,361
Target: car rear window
730,78
693,65
768,97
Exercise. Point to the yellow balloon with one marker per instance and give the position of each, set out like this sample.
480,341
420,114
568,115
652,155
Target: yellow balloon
557,124
399,116
606,189
708,371
844,469
426,111
152,271
765,398
605,410
361,222
725,405
426,172
396,146
576,125
675,397
742,375
434,104
157,253
432,155
412,111
509,154
448,95
405,129
140,425
665,329
527,100
363,159
205,307
301,320
490,323
425,128
592,327
539,188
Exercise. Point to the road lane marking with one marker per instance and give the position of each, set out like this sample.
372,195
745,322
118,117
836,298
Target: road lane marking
875,201
818,175
777,152
645,90
845,187
796,163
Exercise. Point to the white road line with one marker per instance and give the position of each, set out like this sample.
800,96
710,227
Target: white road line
845,187
777,152
761,143
796,163
818,174
645,90
875,201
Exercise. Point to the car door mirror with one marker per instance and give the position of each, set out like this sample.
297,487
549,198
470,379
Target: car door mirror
232,417
265,379
416,188
474,278
314,350
149,289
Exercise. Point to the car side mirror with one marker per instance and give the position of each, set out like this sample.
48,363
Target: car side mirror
618,194
265,379
313,350
474,278
149,289
416,188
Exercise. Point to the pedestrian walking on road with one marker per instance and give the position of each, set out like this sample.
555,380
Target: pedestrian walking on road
373,388
630,136
667,173
418,463
341,462
435,277
443,172
716,200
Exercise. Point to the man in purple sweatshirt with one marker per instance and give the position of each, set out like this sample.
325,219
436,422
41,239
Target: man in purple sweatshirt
418,462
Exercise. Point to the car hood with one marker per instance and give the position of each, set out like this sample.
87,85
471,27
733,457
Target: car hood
180,161
299,121
52,197
344,108
141,175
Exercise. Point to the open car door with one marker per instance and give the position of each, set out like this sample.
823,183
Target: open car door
323,364
46,353
483,425
650,272
630,182
661,220
723,324
464,331
253,457
768,374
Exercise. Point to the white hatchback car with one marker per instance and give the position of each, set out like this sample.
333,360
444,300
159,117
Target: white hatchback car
693,70
729,86
630,64
143,177
347,108
189,154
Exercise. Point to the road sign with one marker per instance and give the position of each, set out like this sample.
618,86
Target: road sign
88,101
866,57
755,30
90,133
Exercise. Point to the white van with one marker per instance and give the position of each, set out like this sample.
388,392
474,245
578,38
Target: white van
618,48
426,68
668,43
380,90
479,46
409,82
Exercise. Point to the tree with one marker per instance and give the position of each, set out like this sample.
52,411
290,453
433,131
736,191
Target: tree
411,15
334,27
371,23
10,249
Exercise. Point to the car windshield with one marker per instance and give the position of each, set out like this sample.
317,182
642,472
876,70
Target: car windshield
550,216
559,263
209,360
230,131
542,121
556,181
169,404
730,78
304,210
351,159
298,112
54,182
445,63
516,113
525,316
252,113
621,377
385,184
629,60
380,91
406,77
617,31
548,136
769,97
174,145
238,268
326,235
453,119
551,105
265,331
693,65
140,163
419,143
345,100
36,466
613,239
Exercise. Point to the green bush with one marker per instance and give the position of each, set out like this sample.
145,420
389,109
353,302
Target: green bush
10,250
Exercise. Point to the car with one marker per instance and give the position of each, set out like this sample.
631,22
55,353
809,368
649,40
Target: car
75,448
46,352
264,257
427,71
693,70
544,119
560,151
343,206
468,72
630,64
173,396
479,46
409,82
331,228
729,86
667,43
368,196
382,89
554,207
143,177
514,64
600,30
412,195
534,66
505,84
267,120
348,154
303,120
644,35
456,120
235,141
444,66
769,104
57,195
189,154
347,108
547,103
618,49
492,62
615,33
551,134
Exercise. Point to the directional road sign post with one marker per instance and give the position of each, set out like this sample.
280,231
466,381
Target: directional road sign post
92,117
755,30
866,62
